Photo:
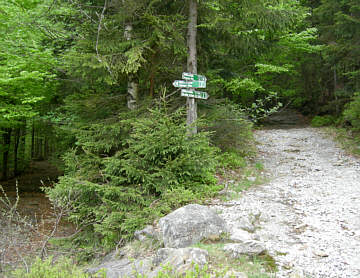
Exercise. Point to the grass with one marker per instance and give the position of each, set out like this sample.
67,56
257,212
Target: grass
220,262
240,177
348,140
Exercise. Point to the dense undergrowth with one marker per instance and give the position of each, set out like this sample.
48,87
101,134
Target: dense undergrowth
145,167
344,128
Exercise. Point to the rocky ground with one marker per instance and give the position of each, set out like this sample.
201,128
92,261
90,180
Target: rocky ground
308,215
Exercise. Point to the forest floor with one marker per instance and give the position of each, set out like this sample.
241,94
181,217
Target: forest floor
23,234
308,214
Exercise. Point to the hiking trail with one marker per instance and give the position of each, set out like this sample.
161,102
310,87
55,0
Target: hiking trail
308,214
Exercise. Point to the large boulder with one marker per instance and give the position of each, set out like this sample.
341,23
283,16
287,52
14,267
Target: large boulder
124,268
190,224
174,261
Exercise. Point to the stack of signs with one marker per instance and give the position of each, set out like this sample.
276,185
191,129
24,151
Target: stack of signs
192,81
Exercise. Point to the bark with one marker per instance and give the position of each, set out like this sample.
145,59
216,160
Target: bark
16,148
192,63
22,146
335,88
33,140
133,86
46,148
7,140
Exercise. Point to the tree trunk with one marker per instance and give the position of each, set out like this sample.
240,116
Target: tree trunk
192,63
16,148
133,86
46,148
22,147
7,140
33,140
335,88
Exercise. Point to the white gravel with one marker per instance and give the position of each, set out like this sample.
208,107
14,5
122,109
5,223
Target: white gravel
308,215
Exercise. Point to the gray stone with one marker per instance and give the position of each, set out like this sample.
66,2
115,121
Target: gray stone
250,248
179,260
190,224
124,268
246,225
238,235
147,232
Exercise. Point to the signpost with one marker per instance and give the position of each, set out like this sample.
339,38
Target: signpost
189,84
194,94
191,76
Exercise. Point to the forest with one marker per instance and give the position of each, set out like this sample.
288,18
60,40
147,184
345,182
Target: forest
87,86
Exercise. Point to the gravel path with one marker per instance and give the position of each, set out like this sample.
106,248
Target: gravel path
308,215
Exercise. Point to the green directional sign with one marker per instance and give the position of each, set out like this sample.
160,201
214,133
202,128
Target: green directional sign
192,76
189,84
194,94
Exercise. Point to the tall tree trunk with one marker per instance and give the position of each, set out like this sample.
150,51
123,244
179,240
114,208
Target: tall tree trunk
46,148
335,95
7,140
192,63
33,140
133,86
22,147
16,148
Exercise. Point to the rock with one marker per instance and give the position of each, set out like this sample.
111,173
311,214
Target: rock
179,260
235,274
252,179
147,232
124,268
250,248
246,225
190,224
238,235
320,253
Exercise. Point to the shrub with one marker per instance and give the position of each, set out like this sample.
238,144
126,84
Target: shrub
352,112
231,160
231,131
64,268
319,121
158,169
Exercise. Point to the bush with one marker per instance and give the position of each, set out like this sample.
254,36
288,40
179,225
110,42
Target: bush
319,121
231,160
231,131
352,112
64,268
158,169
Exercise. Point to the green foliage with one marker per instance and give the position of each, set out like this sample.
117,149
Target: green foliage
319,121
63,268
160,155
157,168
196,272
352,112
231,131
26,75
231,160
